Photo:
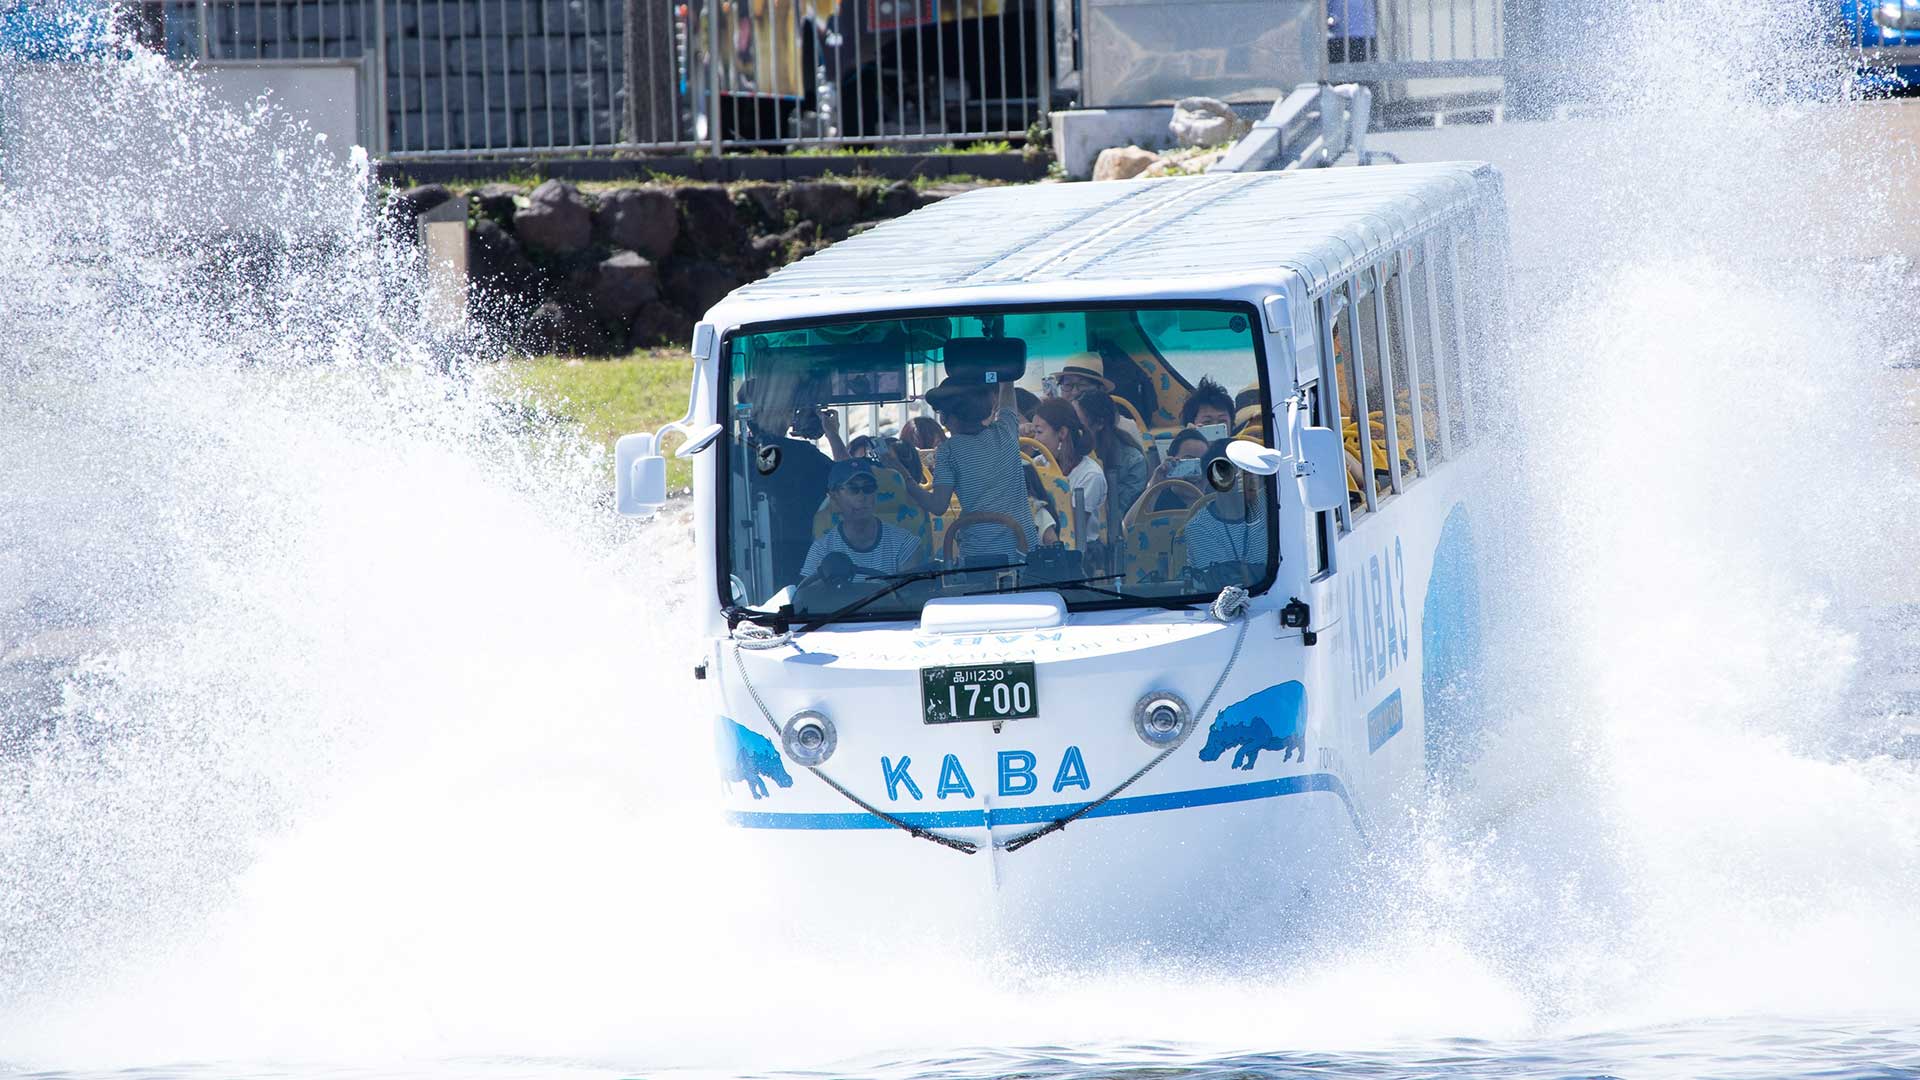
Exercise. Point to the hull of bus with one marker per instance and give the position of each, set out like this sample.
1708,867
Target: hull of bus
1299,757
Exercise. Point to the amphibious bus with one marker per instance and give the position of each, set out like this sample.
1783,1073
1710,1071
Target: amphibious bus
937,653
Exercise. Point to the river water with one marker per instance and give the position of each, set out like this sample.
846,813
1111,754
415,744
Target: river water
339,714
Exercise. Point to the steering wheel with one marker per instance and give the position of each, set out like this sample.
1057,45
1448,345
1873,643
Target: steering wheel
981,517
1144,504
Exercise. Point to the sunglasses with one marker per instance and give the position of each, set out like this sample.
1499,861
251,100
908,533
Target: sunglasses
860,487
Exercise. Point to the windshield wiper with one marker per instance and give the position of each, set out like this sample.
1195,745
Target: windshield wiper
899,581
1085,585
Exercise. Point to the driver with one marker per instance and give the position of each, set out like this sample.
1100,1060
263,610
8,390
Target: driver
875,548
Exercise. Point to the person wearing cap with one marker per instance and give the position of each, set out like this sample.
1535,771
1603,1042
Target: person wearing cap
1231,529
980,463
874,547
1085,373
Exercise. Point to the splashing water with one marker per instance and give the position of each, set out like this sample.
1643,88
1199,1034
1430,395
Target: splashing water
340,720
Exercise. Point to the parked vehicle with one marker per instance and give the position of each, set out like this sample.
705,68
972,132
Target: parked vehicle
861,68
1886,36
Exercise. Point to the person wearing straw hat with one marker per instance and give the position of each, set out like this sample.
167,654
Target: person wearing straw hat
980,463
1086,373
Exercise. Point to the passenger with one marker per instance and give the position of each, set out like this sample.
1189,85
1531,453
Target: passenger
875,548
1209,404
1081,376
1184,455
1027,401
860,446
923,433
1061,429
1246,410
980,462
1046,517
1230,530
1120,455
790,472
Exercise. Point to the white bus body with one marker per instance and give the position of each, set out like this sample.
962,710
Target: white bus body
1292,751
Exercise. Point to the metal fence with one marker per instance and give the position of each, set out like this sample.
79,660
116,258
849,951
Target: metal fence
1423,53
467,77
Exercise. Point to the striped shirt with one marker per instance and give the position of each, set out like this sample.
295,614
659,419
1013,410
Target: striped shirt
893,550
1212,540
984,470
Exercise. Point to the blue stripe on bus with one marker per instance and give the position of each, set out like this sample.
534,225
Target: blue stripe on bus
1038,815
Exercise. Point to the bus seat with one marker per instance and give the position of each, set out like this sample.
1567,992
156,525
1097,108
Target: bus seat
1031,446
1126,407
1055,483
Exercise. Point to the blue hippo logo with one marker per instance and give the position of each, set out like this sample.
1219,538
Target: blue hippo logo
747,756
1273,719
1450,649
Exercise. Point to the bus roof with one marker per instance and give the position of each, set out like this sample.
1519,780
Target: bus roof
1125,239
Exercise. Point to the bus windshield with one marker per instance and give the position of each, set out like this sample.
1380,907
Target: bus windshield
874,464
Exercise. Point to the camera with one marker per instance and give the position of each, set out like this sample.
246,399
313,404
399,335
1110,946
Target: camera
807,424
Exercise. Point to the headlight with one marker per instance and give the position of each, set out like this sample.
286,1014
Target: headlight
1161,718
809,738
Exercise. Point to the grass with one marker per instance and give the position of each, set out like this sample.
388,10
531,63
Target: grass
611,398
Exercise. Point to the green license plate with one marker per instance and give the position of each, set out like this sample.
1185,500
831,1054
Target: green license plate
979,692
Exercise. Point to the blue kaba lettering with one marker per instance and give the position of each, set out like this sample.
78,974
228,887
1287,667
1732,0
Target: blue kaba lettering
1379,633
1017,773
896,776
953,779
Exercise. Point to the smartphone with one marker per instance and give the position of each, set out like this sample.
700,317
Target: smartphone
1184,469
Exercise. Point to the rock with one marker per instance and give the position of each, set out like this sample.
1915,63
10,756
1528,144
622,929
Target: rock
1205,121
767,202
659,324
625,282
497,263
1184,162
694,285
405,207
640,219
556,220
782,248
708,224
498,201
1122,163
558,326
826,204
899,198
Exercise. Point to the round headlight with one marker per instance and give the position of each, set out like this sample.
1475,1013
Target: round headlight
1161,718
809,738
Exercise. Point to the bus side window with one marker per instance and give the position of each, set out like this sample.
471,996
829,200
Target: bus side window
1404,426
1320,544
1343,371
1420,327
1373,401
1447,299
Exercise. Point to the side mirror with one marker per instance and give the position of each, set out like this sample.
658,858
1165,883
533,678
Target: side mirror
1321,468
639,475
1254,458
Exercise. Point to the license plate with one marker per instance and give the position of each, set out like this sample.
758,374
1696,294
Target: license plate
979,692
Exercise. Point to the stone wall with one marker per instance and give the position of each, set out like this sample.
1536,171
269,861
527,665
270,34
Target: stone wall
556,269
